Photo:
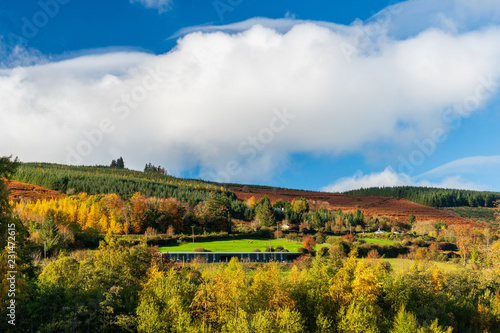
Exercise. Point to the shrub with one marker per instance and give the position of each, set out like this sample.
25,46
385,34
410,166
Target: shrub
280,249
320,238
348,238
256,250
322,251
199,249
336,251
373,254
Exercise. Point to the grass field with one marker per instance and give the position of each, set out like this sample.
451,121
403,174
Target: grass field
401,265
374,240
248,245
379,241
240,245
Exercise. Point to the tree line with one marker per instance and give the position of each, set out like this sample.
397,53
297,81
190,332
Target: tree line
433,197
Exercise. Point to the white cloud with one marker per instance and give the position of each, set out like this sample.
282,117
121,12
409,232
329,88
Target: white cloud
389,178
216,91
467,165
162,5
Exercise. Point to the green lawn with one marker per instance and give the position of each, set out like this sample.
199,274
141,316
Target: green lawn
379,241
239,245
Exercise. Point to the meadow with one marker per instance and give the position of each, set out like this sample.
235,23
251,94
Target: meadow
240,245
248,245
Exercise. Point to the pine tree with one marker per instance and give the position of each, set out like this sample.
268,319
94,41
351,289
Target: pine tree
265,214
49,234
120,164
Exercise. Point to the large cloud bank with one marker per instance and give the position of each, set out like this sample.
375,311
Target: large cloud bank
236,104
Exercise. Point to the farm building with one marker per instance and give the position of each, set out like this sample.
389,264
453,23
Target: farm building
226,256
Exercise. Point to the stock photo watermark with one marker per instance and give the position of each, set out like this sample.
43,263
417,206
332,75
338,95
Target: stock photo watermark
31,26
365,34
11,274
452,118
224,6
253,144
122,107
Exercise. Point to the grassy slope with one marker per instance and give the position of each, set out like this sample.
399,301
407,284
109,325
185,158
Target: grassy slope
240,245
248,245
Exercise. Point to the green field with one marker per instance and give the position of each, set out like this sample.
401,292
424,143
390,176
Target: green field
248,245
240,245
401,265
378,241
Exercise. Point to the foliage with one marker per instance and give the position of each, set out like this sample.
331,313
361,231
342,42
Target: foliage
265,213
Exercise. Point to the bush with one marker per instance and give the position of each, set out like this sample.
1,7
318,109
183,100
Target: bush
256,250
280,249
322,251
200,249
348,238
320,238
269,249
373,254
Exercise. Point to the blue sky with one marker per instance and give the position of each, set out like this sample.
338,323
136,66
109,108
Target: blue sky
319,95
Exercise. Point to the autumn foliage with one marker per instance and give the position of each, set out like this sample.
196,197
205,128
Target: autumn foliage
106,213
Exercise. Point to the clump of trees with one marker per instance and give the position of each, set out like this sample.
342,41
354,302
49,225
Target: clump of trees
119,163
151,168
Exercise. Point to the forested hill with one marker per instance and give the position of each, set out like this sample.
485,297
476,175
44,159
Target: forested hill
124,182
433,197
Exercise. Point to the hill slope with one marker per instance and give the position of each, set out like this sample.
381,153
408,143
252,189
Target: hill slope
369,205
433,197
104,180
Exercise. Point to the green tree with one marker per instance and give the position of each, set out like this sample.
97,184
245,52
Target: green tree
405,322
265,213
217,213
62,272
120,164
49,235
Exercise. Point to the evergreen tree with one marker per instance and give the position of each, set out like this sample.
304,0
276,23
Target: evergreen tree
120,164
265,214
49,234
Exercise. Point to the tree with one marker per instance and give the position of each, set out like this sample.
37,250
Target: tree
120,164
265,214
62,272
465,240
217,213
7,169
405,322
164,304
49,235
300,205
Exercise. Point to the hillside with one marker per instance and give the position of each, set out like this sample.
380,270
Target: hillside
369,205
18,190
433,197
105,180
51,180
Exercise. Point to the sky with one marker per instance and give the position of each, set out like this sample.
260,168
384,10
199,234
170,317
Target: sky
317,95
